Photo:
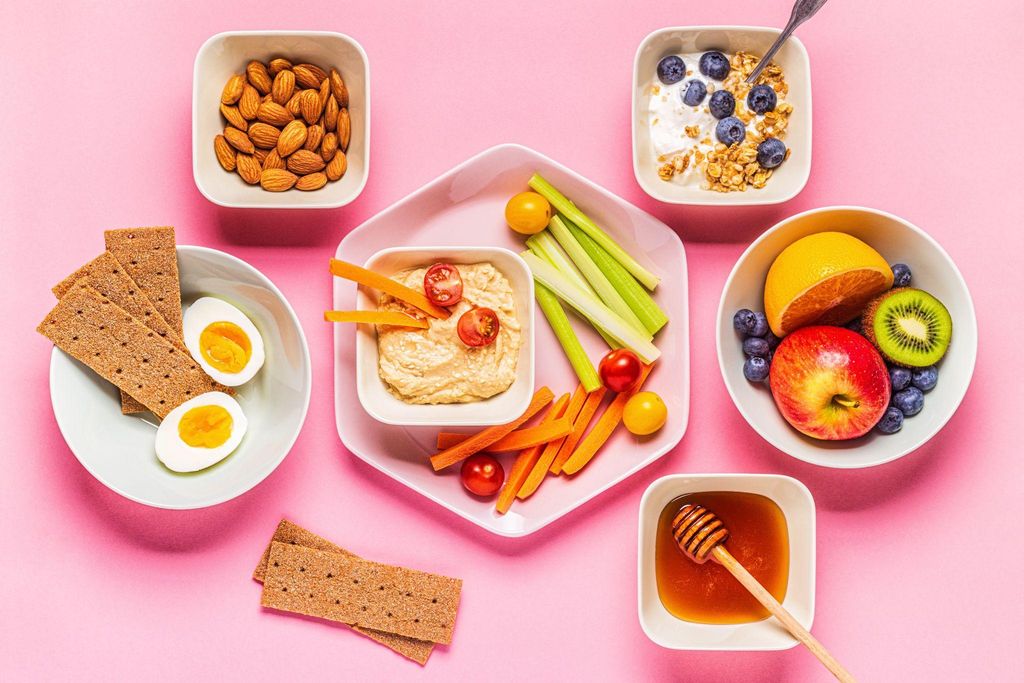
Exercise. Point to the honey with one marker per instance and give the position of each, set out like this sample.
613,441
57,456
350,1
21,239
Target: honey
707,593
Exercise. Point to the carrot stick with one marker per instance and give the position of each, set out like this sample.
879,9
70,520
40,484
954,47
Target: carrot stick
514,441
524,463
603,428
368,278
547,456
375,318
579,428
485,438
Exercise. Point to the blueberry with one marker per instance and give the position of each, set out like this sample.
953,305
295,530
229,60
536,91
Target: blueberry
671,70
695,93
750,324
762,99
771,153
722,104
772,340
755,346
910,401
899,378
891,422
900,275
730,131
925,379
714,65
755,369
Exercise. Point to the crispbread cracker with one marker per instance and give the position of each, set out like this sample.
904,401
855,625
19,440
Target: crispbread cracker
150,258
122,350
287,532
356,591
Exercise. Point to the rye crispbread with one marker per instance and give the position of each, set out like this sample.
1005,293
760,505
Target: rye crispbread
151,259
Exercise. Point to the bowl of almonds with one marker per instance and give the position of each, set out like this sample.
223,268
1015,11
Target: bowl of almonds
281,119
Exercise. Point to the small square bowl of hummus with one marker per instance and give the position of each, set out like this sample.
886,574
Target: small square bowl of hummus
429,377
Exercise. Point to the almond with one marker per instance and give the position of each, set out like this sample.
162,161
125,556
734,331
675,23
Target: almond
273,160
261,155
249,102
258,76
309,75
331,113
337,167
274,114
238,140
304,161
277,180
311,181
284,86
264,135
225,153
344,129
234,117
249,168
277,65
311,106
267,98
338,88
325,92
232,89
329,146
295,104
292,137
314,136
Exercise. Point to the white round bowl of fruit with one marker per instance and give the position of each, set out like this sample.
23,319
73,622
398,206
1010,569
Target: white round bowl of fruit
846,336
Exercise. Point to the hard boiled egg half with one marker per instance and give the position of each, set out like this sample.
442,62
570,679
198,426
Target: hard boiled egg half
200,432
223,341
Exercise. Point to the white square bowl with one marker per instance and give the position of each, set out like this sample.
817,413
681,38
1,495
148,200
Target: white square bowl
671,632
227,53
383,406
789,179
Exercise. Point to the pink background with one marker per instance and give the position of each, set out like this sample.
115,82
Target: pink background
913,109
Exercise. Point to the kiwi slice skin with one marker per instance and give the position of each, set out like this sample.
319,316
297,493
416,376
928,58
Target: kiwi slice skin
909,327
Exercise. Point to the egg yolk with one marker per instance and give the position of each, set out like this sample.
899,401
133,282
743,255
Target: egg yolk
205,426
225,346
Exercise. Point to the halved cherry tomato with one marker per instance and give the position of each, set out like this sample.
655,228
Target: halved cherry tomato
528,213
619,370
478,327
482,474
442,284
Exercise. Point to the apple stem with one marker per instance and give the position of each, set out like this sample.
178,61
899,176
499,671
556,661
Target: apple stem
846,401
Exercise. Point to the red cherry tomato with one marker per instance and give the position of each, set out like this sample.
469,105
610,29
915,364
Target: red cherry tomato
619,370
442,284
482,475
478,327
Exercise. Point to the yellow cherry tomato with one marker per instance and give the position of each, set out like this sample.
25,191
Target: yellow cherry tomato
528,213
645,413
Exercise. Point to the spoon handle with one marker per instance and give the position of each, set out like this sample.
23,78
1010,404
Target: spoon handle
802,11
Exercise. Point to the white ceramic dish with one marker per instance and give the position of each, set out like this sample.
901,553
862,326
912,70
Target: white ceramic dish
383,406
669,631
898,241
118,449
465,206
227,53
790,178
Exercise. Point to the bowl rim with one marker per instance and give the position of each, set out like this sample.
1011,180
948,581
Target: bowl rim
279,204
307,382
716,198
970,319
531,351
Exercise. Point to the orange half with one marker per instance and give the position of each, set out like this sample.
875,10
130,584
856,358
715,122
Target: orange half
836,300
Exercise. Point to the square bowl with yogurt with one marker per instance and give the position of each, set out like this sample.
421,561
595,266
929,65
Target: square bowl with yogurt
702,136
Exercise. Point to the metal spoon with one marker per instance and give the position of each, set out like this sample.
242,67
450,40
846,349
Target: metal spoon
802,11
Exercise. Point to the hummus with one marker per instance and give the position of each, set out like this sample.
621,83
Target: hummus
433,365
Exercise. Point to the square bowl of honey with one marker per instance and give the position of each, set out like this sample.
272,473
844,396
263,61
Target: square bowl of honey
688,605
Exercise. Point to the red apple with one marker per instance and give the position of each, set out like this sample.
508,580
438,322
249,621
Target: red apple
829,382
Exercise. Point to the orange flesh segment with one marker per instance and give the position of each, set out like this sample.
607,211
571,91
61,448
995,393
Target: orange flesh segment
382,283
395,318
547,456
523,465
514,441
579,427
835,300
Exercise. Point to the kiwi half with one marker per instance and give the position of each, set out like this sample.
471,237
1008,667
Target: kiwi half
909,326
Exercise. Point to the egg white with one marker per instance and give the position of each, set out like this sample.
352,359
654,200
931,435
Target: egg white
209,310
177,455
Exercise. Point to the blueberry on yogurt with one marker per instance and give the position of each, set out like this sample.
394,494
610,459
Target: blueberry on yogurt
694,93
671,70
771,153
714,65
730,131
722,104
762,99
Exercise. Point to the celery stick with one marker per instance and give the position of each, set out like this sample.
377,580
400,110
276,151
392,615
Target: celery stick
604,288
559,321
591,308
566,207
639,301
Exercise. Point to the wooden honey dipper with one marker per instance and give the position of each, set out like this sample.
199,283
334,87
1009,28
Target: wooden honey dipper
701,535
